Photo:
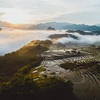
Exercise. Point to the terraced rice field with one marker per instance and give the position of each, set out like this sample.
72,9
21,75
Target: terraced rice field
83,70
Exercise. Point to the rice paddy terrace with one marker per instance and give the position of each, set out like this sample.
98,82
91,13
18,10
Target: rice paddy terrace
81,66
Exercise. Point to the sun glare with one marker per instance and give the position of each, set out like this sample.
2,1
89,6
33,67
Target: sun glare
16,16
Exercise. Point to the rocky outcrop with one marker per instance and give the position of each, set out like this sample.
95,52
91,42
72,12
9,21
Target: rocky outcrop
51,29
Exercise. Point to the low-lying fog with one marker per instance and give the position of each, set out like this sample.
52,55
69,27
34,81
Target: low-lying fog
12,40
82,39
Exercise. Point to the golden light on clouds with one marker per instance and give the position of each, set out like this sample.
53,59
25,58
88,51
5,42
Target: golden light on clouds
15,16
38,11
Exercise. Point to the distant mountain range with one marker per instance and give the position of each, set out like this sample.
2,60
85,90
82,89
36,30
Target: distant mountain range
43,26
64,26
82,27
15,26
56,25
84,32
98,25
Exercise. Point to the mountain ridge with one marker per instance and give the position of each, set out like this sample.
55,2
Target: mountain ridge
64,26
56,25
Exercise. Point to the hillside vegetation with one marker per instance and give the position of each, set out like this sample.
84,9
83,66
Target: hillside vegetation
12,62
17,80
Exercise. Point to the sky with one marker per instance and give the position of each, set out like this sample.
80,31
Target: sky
37,11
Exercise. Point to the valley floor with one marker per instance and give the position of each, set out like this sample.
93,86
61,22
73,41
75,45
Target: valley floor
81,70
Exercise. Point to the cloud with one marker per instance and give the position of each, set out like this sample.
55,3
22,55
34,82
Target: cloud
12,40
6,3
1,13
52,10
80,17
83,39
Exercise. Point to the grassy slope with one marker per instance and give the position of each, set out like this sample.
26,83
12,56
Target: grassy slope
12,62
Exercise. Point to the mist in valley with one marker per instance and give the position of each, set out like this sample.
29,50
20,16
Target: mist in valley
82,39
12,40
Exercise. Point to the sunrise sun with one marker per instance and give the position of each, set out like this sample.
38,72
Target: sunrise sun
15,16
